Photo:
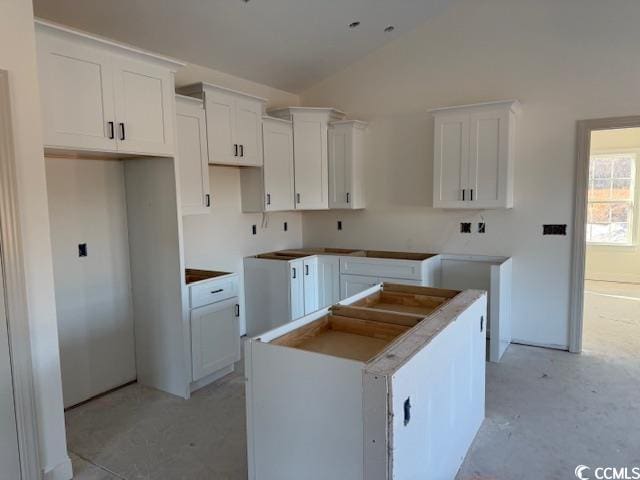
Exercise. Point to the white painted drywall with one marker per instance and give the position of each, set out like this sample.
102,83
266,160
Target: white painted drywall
220,239
87,204
17,56
541,52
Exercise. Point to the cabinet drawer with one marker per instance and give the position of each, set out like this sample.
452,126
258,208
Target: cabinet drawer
401,269
211,292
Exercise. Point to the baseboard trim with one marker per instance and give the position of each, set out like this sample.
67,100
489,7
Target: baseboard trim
552,346
62,471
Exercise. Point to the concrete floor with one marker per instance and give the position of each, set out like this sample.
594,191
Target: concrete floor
547,412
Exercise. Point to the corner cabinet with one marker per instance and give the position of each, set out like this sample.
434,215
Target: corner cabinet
193,160
234,124
346,164
271,188
310,153
102,96
473,155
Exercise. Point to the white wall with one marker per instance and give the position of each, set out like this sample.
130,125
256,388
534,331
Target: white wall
221,239
541,52
87,204
17,55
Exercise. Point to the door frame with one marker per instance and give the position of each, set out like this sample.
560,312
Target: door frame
585,127
12,269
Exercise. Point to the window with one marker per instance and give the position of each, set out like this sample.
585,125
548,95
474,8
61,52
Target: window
611,198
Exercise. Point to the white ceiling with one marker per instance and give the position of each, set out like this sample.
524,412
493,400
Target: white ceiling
288,44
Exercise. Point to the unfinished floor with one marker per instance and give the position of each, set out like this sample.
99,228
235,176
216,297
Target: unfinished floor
547,412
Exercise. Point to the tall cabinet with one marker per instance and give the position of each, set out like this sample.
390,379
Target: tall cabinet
310,153
473,155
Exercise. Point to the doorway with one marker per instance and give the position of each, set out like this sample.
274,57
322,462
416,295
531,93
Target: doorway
606,283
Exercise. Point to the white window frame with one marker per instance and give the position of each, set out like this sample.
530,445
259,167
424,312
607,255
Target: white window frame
635,214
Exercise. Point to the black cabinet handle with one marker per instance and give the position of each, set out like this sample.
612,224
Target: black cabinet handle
297,198
112,130
242,150
123,135
482,323
306,270
472,194
348,197
218,290
235,149
294,272
207,199
237,309
463,190
268,199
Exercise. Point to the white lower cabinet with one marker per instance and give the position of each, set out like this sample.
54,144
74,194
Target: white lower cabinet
215,337
357,393
328,280
215,325
278,289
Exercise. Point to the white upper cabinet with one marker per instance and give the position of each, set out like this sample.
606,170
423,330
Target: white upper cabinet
234,124
193,161
102,96
310,154
473,155
346,164
143,109
270,189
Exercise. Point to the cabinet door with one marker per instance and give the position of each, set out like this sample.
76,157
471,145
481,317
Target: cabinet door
215,337
310,267
340,166
220,112
193,160
488,158
311,165
328,280
248,132
352,284
296,289
76,85
278,166
451,161
144,108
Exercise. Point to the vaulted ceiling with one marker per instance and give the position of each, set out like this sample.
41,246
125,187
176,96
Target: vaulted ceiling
287,44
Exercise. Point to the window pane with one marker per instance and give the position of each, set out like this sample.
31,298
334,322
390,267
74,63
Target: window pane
601,190
619,233
600,233
620,212
622,167
621,190
600,213
601,167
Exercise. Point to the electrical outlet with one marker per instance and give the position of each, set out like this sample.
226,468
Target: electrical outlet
254,229
465,227
82,249
285,226
482,227
554,229
339,224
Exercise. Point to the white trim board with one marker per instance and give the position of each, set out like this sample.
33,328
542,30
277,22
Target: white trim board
579,248
15,294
